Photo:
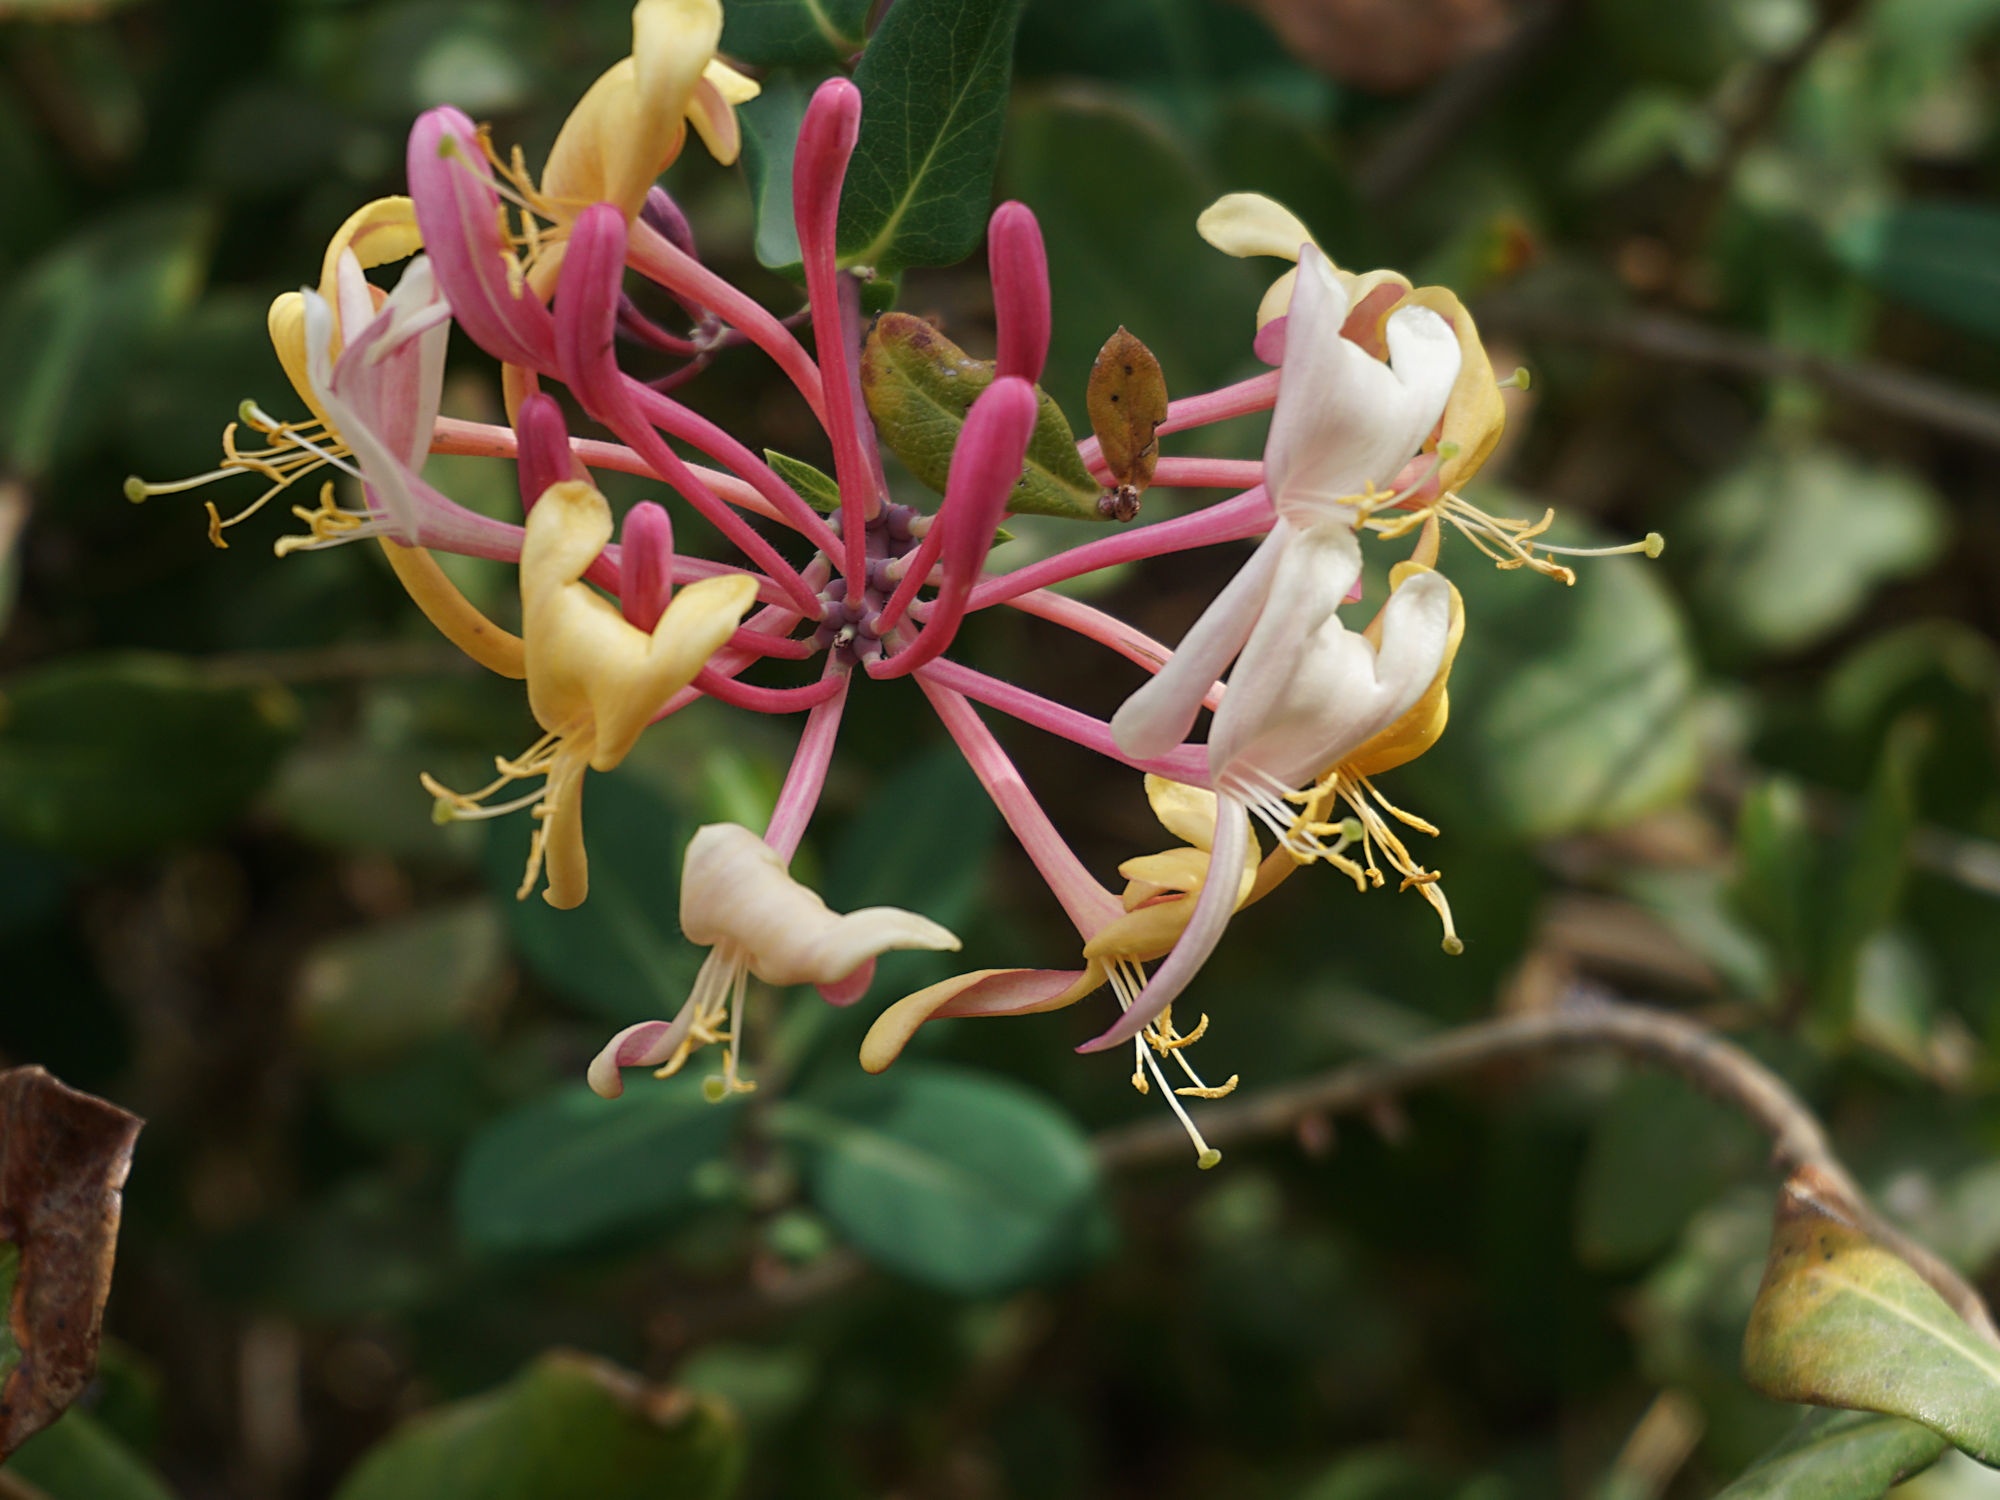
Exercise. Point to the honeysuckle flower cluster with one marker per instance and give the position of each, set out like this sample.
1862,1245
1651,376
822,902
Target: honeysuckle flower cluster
1383,403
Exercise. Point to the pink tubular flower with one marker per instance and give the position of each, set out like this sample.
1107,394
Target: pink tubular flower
458,210
1020,268
1379,384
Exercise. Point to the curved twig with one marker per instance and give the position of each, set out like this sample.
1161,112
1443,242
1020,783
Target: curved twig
1586,1022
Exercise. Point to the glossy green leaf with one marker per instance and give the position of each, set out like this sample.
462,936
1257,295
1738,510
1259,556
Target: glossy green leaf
110,755
934,96
567,1427
379,992
1117,196
1943,257
773,33
620,954
955,1179
1793,542
72,324
1841,1321
770,125
572,1169
1571,708
919,385
78,1459
1839,1455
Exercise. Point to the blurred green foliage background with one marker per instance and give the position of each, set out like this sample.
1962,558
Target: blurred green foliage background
1748,249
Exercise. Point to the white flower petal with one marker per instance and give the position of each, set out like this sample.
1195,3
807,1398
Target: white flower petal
1308,690
1345,420
735,890
1158,716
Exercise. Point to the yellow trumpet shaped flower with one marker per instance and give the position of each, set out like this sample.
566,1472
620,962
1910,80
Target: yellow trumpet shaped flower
631,123
594,679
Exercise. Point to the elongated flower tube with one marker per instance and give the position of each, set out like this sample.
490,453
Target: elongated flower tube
1019,266
1344,424
985,467
739,900
458,208
1306,694
594,679
586,323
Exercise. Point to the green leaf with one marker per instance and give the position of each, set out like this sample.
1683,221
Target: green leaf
1841,1321
1845,1455
1793,542
573,1169
818,488
1943,257
1571,708
111,755
568,1426
955,1179
78,1459
1087,160
1659,1153
919,385
934,95
773,33
377,993
620,954
1775,869
770,125
71,326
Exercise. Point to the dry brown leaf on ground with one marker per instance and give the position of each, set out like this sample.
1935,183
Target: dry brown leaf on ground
63,1160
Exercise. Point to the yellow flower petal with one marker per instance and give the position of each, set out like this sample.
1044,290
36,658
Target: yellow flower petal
378,233
453,614
1245,224
734,87
1474,415
1187,812
1169,870
588,665
1421,724
630,123
893,1029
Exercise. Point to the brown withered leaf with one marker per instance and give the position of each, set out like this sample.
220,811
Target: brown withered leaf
1389,46
1841,1320
63,1160
1126,401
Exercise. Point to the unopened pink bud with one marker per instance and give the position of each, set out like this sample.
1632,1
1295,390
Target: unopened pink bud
1019,265
646,565
543,456
587,301
985,468
819,165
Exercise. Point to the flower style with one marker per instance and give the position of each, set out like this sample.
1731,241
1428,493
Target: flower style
595,679
1383,403
739,900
